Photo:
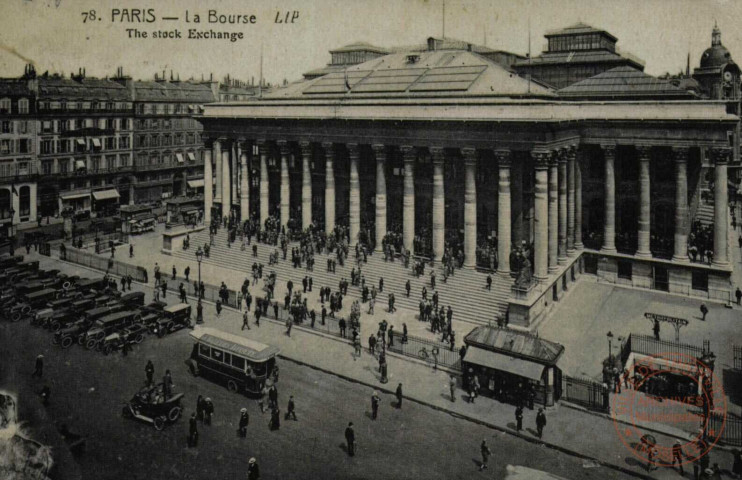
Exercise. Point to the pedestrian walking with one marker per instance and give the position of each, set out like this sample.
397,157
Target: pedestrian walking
738,294
452,387
174,272
408,287
131,251
199,312
273,396
192,431
253,471
208,411
489,282
677,455
704,311
218,307
200,409
350,437
246,320
275,421
519,418
291,409
244,421
289,324
540,422
149,370
167,385
375,400
187,272
485,454
398,394
656,329
38,370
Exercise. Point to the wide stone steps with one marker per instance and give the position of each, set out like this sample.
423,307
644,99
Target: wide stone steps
705,214
465,290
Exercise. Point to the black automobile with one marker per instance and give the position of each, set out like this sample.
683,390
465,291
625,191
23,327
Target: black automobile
130,335
151,406
173,318
74,332
104,326
132,299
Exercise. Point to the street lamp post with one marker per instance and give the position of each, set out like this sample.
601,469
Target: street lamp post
199,258
610,346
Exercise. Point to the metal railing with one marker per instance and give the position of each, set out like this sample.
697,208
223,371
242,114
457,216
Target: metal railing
585,392
106,265
737,357
433,352
647,345
731,425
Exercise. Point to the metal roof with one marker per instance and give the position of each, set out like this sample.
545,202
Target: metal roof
576,56
173,92
514,343
623,81
250,349
85,89
578,29
505,363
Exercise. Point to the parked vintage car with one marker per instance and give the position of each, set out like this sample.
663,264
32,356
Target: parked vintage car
110,323
116,340
87,284
150,405
27,304
74,332
173,318
132,299
61,319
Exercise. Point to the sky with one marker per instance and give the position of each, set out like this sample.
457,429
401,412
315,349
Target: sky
52,35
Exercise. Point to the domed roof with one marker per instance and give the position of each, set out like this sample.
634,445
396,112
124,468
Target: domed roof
716,56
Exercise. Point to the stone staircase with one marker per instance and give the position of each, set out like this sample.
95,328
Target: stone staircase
465,291
705,213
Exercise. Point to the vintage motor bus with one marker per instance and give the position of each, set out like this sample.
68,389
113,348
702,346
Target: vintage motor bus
244,365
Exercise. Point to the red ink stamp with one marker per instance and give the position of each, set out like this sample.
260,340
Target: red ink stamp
673,390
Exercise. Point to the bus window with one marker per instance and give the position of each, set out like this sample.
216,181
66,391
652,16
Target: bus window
216,354
204,350
238,362
227,358
259,369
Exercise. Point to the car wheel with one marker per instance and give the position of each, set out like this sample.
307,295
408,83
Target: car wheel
16,316
55,327
160,423
107,349
80,340
126,412
67,342
139,338
232,386
26,309
173,414
66,285
90,344
55,340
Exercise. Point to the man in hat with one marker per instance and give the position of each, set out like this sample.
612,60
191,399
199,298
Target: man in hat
253,472
291,409
350,437
540,422
519,418
38,366
208,411
452,386
677,454
244,421
192,431
375,400
485,454
399,395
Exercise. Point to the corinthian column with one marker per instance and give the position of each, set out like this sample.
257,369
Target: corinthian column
578,200
285,187
645,203
681,205
609,222
208,187
553,212
264,196
217,149
562,247
329,188
408,201
541,213
439,203
504,158
244,186
226,183
306,185
721,238
470,206
354,220
571,154
380,154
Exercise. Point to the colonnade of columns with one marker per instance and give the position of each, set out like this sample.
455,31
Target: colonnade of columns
557,197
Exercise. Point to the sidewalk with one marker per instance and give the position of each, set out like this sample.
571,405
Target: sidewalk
592,437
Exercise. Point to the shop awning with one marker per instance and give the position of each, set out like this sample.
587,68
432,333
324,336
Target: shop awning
96,142
106,194
73,196
179,156
199,183
80,165
80,141
498,361
191,156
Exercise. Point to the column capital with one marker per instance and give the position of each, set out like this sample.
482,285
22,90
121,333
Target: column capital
353,150
469,154
680,154
720,155
283,146
409,152
541,159
306,147
504,157
609,149
437,154
329,152
562,155
644,152
378,149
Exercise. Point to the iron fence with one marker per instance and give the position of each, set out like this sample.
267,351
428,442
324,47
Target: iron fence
737,357
210,292
731,425
330,326
585,392
647,345
433,352
107,265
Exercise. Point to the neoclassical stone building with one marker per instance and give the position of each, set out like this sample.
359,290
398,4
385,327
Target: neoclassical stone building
448,144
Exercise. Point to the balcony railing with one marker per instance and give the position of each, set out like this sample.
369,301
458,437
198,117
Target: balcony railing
18,172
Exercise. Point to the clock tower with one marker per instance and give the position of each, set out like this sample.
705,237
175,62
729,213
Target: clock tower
718,75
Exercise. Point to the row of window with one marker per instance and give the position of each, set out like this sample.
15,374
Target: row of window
580,42
167,108
59,126
14,127
6,106
65,106
24,202
167,140
166,124
165,158
80,145
12,146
